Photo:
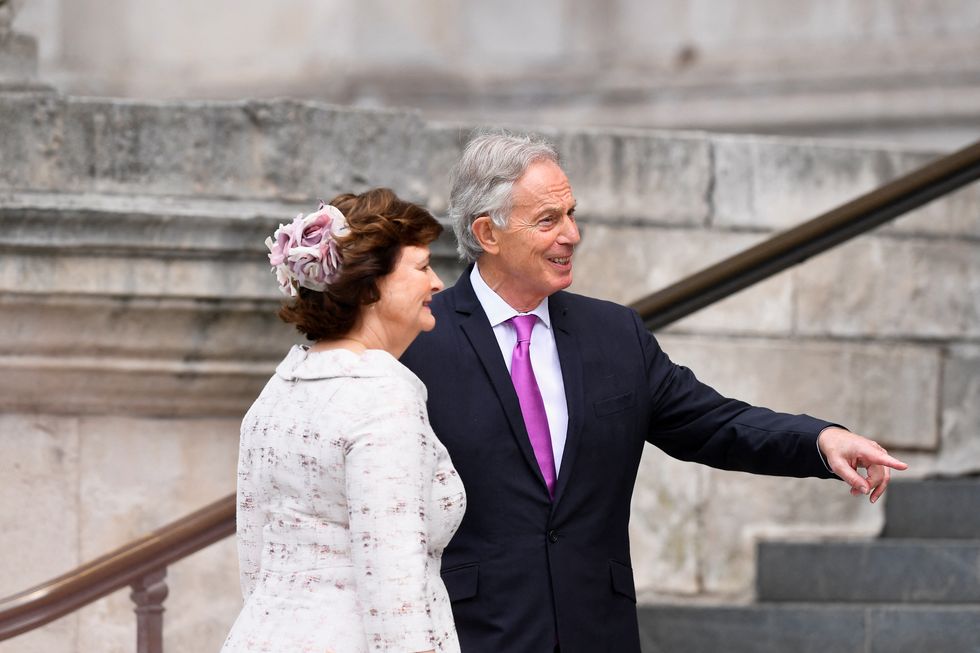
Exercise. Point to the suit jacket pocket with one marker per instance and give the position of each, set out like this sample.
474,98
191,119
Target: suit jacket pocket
622,579
461,582
614,404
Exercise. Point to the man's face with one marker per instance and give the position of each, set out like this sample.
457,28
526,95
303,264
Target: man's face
532,258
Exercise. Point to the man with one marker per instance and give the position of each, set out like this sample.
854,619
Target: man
546,415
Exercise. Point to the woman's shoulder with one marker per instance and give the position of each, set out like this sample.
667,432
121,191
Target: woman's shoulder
374,367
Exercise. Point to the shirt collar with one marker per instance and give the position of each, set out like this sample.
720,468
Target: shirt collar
498,311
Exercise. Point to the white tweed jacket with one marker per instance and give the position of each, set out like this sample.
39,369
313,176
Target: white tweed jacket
346,500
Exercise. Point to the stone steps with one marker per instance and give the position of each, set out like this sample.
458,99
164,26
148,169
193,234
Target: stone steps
810,628
915,589
936,508
900,571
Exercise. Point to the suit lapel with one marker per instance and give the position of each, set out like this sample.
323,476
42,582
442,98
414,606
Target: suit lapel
476,326
570,358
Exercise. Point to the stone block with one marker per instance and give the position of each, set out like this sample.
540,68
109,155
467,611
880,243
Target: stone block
955,215
438,150
154,328
288,150
637,177
665,533
882,287
768,183
809,628
39,457
625,263
137,475
779,183
908,629
751,629
959,451
133,276
933,509
886,391
130,386
880,571
740,509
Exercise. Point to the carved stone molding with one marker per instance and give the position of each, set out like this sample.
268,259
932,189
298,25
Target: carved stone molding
140,306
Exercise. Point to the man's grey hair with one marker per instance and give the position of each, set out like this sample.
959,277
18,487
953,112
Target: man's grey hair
482,180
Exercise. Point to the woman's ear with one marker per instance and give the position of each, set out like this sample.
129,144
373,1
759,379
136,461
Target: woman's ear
485,232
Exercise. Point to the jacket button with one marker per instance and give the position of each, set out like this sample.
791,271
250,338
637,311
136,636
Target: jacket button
553,536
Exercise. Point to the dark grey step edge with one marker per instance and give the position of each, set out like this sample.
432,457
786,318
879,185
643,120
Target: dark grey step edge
809,628
934,508
892,571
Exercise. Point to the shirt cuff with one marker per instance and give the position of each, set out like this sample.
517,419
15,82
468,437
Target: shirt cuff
817,444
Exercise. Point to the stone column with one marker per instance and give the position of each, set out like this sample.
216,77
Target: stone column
18,52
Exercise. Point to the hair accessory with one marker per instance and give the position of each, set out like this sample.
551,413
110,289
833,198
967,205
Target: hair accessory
305,253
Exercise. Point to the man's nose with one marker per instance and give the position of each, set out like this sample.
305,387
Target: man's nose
570,233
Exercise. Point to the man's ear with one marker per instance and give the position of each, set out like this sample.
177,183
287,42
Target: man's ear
485,232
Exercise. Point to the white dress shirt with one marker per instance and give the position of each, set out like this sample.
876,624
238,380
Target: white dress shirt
544,356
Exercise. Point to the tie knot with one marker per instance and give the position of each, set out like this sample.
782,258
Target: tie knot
524,325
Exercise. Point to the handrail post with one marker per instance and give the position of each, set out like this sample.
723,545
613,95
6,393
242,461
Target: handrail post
148,595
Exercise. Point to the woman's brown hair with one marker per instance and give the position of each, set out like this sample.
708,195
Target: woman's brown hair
380,225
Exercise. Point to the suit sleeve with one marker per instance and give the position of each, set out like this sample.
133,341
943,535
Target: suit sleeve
388,480
691,421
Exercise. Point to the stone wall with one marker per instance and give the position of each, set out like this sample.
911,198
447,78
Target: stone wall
137,323
898,70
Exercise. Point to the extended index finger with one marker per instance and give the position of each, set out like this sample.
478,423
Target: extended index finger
883,458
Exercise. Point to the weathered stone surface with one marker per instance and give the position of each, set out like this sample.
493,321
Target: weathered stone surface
665,532
777,184
284,149
751,629
159,306
888,392
742,509
933,509
771,184
954,215
39,465
18,59
959,451
623,264
162,329
910,629
809,628
886,287
637,176
137,475
880,571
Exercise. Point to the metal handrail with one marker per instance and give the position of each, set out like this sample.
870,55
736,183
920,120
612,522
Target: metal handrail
127,565
794,246
142,562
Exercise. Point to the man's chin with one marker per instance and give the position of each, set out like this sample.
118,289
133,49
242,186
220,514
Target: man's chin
564,281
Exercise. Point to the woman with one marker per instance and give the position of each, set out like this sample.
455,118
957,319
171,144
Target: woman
346,499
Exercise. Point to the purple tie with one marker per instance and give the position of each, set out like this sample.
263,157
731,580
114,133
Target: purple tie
532,406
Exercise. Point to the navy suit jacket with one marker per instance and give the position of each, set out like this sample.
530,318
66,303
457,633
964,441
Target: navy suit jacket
522,569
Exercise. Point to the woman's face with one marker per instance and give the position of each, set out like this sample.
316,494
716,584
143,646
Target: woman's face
407,291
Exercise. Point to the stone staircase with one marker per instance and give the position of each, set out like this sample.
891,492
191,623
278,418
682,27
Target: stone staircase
915,589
